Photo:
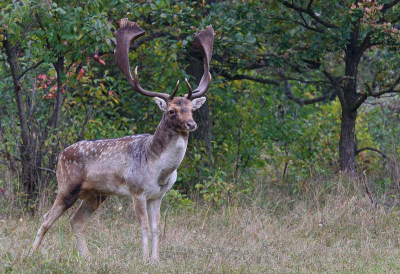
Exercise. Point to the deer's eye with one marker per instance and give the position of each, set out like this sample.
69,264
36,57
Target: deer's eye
172,112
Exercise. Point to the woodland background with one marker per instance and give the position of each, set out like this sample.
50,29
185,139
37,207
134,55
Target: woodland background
301,119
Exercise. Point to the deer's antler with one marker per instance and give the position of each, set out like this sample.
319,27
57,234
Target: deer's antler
128,32
203,41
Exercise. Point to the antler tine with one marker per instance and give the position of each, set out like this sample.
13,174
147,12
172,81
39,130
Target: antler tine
128,32
203,41
175,91
189,88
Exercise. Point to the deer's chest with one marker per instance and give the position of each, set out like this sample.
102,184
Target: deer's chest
172,156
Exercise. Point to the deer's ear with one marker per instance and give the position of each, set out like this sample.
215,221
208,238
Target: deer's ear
197,103
161,104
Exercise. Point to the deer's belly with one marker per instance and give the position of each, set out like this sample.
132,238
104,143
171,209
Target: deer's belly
104,181
107,187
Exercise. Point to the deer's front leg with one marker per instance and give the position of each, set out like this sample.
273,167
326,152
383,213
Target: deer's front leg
141,213
153,207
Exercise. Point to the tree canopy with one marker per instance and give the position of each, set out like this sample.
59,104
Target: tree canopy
297,85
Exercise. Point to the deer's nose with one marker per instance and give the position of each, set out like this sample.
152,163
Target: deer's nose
190,124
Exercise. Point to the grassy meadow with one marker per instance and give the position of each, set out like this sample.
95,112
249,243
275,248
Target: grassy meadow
317,232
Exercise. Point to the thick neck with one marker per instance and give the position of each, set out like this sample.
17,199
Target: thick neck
164,136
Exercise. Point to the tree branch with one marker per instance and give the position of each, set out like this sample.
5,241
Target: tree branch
361,97
301,102
373,149
259,64
388,6
307,82
310,13
39,20
82,132
309,27
246,77
309,4
23,35
30,68
366,43
46,169
384,91
150,37
337,87
304,24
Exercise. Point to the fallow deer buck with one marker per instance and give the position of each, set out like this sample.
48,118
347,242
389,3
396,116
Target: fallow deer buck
142,166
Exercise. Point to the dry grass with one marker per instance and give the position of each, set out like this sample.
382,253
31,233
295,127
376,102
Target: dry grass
341,235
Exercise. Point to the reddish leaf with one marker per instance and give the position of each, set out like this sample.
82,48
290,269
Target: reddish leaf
81,73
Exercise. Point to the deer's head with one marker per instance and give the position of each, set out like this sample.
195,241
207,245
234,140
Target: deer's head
177,110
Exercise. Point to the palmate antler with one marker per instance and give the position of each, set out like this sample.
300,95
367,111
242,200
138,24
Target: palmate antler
203,41
130,31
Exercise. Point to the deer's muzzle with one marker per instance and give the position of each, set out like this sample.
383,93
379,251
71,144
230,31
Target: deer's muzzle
191,125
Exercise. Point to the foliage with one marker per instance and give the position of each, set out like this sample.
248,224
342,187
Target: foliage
46,46
215,190
178,200
255,128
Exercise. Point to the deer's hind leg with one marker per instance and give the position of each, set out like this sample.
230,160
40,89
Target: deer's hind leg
82,215
64,200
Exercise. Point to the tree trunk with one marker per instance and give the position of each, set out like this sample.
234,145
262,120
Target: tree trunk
348,143
202,135
29,170
59,65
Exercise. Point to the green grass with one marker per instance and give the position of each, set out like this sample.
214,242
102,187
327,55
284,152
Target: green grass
340,235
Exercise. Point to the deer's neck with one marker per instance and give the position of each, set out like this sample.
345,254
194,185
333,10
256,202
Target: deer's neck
167,140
